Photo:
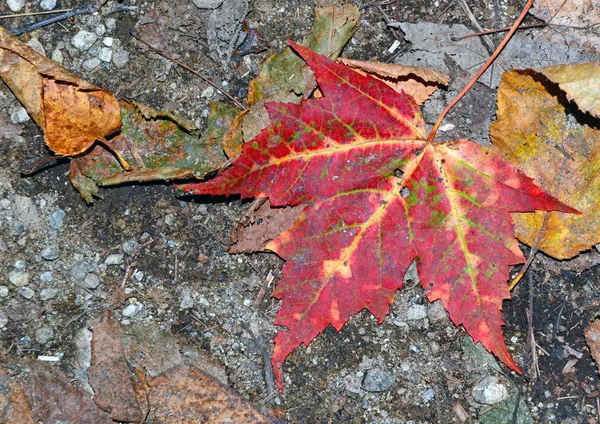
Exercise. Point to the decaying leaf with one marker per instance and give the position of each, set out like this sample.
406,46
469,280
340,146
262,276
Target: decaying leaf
159,145
72,113
109,373
592,337
284,77
561,150
418,82
380,196
14,405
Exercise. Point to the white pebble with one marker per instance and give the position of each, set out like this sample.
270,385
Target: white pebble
18,115
90,64
48,4
105,54
83,40
15,5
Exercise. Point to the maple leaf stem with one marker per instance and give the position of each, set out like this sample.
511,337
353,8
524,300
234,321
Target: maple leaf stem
486,65
184,66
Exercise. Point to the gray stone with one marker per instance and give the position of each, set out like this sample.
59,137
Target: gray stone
207,4
46,277
169,219
15,5
18,278
132,309
57,218
105,54
427,395
186,301
26,292
20,264
50,253
114,259
48,293
83,348
3,319
108,42
44,334
4,291
18,115
26,211
91,281
202,301
110,24
57,56
78,272
120,58
48,4
416,312
83,40
490,391
436,312
130,247
378,380
90,64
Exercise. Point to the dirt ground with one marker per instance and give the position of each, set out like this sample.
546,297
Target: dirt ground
416,367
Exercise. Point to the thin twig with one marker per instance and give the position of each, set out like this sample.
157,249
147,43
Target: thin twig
47,12
230,97
90,8
494,31
493,57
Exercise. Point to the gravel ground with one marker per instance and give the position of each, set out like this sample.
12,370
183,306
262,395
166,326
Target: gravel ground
158,258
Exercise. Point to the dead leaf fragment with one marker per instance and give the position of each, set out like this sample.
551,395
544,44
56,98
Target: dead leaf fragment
13,402
186,394
536,133
418,82
261,226
592,337
109,374
580,82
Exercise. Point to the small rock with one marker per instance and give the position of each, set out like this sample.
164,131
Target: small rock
44,334
416,312
186,301
202,301
83,348
15,5
207,4
26,292
20,265
50,253
4,291
130,247
56,219
27,211
132,309
48,293
3,319
120,58
91,281
100,30
490,391
48,4
46,277
57,56
83,40
107,41
436,312
427,395
139,276
378,380
18,278
35,44
105,54
114,259
169,219
90,64
208,92
110,24
78,272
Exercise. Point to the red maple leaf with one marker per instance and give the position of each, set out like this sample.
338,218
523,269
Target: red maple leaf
379,197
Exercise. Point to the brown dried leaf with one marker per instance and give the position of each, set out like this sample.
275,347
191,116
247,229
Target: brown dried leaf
54,399
109,374
261,226
592,337
418,82
13,402
72,113
186,394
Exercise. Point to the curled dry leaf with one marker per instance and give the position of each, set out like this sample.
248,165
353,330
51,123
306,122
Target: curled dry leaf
418,82
72,113
537,132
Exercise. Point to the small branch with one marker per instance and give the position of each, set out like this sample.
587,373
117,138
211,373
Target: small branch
493,57
226,94
494,31
48,12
